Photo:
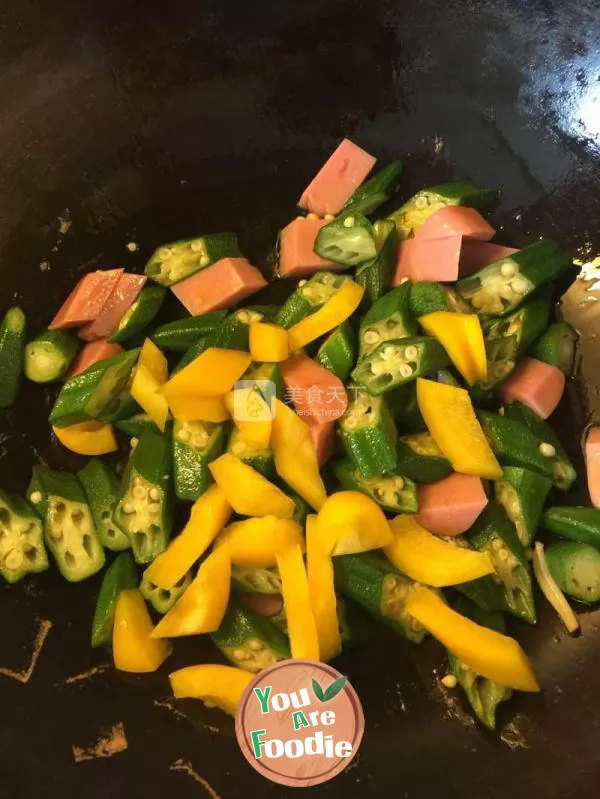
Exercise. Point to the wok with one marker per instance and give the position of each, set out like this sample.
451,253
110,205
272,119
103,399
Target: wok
142,122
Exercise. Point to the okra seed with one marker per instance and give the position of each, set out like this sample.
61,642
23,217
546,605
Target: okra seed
405,370
200,440
134,442
13,559
154,508
501,411
415,625
255,645
129,507
393,606
184,435
349,221
154,494
398,483
547,450
449,681
311,216
240,654
508,270
329,217
139,492
238,448
371,337
197,246
55,533
503,555
478,300
422,202
410,353
36,497
519,286
164,253
204,260
506,292
137,481
350,422
497,545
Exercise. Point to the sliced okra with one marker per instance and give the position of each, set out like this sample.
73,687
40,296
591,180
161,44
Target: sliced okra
337,353
49,356
163,600
420,458
376,190
232,333
136,425
171,263
576,569
376,275
309,296
393,491
557,347
259,459
120,575
575,523
180,335
195,446
369,434
514,444
22,549
256,580
101,488
399,361
349,240
12,345
388,318
141,313
429,297
522,493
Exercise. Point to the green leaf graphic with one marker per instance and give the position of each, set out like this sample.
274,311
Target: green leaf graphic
318,691
335,688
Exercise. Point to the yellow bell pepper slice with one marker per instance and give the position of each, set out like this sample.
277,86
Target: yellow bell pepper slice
268,343
295,456
88,438
150,375
211,374
429,559
335,311
202,606
208,517
133,648
319,569
247,491
350,522
460,334
254,543
216,686
449,415
198,409
486,652
302,628
251,415
154,361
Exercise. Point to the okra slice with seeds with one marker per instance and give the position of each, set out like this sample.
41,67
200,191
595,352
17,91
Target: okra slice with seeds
101,488
376,190
233,334
399,361
369,434
144,508
514,444
501,287
195,446
248,640
180,335
557,347
376,275
259,459
337,353
141,313
22,549
393,492
136,425
171,263
420,458
576,569
120,575
69,530
522,493
270,372
428,297
349,240
48,357
163,600
255,580
483,695
372,582
388,318
308,297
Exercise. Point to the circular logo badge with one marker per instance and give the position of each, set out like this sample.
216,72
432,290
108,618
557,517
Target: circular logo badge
299,723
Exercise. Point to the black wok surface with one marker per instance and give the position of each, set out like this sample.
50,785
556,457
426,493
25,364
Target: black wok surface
128,121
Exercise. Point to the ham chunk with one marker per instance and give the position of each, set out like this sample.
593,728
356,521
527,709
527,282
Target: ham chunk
296,244
453,220
536,384
120,301
221,285
86,301
451,506
316,393
92,353
592,464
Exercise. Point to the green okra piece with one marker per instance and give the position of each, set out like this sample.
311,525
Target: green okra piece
483,695
575,523
376,190
270,372
101,488
144,508
337,353
260,459
376,275
256,580
195,446
388,318
171,263
410,216
503,286
557,347
101,392
22,549
563,472
373,583
120,575
49,356
369,434
356,626
232,333
394,491
248,640
308,297
12,345
420,458
575,568
429,297
404,408
510,588
514,444
136,425
69,530
349,240
162,600
180,335
399,361
522,493
141,314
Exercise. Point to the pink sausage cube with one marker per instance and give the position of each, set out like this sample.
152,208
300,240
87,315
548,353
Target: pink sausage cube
475,254
337,180
428,259
451,506
120,301
453,220
296,244
537,384
219,286
592,464
92,353
86,301
323,436
317,394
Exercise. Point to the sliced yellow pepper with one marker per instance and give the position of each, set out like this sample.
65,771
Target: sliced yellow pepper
486,652
429,559
251,415
319,569
335,311
295,455
211,374
150,375
254,543
302,628
247,491
88,438
209,515
202,606
460,334
133,648
268,343
350,522
154,361
216,686
449,415
198,409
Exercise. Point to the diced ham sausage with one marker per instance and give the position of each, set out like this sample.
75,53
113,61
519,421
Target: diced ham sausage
87,299
323,437
297,256
221,285
92,353
476,254
120,301
450,506
455,219
592,464
428,259
536,384
315,392
263,604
